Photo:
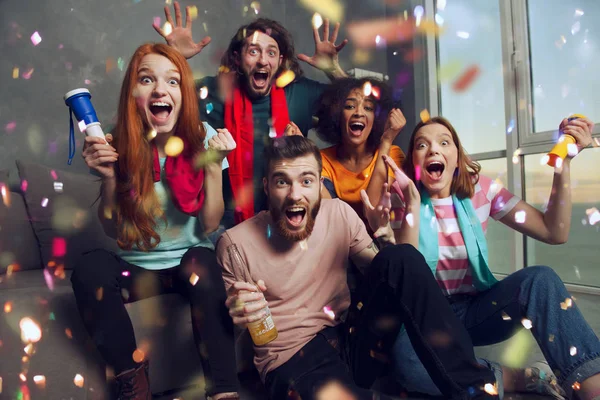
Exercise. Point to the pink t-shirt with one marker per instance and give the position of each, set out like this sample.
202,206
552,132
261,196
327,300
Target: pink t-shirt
302,278
453,273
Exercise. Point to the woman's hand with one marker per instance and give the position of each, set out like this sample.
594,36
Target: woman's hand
581,129
394,124
379,217
403,185
292,129
100,156
222,144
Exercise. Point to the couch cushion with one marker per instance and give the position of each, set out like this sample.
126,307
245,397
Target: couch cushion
62,207
18,244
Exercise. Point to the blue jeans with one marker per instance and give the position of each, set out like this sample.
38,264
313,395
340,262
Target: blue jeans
534,293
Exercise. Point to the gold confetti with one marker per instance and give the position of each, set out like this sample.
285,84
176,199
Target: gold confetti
425,116
78,381
193,12
99,293
15,73
174,146
28,349
359,305
7,307
69,333
576,386
317,20
551,338
255,37
167,28
151,134
194,279
285,78
255,5
526,323
505,316
516,154
490,389
40,381
332,9
138,356
5,195
30,330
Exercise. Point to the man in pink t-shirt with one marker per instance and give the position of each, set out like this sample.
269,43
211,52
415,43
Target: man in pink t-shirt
293,259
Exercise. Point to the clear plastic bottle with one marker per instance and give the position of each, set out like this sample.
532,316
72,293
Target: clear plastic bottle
262,331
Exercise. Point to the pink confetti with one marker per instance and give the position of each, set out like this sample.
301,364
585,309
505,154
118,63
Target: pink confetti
36,38
24,185
156,21
60,46
87,81
44,202
327,310
27,74
417,173
53,173
10,126
48,279
125,273
59,247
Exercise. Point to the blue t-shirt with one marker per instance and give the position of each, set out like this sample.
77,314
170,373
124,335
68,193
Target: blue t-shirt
180,233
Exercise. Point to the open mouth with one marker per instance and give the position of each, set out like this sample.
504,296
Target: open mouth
356,128
260,78
295,215
161,110
435,169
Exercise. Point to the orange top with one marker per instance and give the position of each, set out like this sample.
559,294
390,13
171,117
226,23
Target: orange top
348,184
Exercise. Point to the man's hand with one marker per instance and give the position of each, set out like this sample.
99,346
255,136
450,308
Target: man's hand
246,303
394,124
292,129
180,38
326,51
379,217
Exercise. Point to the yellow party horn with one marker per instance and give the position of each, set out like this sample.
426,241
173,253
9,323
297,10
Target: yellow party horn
560,149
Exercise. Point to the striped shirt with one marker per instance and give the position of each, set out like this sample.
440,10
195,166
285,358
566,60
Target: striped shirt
453,272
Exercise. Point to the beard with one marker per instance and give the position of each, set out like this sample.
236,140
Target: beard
280,220
246,80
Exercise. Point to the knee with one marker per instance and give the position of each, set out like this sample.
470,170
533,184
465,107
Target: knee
543,275
93,269
401,259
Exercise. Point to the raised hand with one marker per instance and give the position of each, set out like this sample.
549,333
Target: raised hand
180,38
292,129
581,129
403,185
99,155
222,143
379,217
246,302
393,125
326,51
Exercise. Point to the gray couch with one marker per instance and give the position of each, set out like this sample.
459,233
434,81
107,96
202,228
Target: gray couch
47,220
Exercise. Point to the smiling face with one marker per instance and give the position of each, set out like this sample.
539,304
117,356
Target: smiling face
157,93
435,153
294,191
357,118
259,62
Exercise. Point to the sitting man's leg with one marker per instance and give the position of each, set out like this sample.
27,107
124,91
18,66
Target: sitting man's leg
403,291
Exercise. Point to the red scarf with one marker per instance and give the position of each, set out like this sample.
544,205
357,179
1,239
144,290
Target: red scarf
185,183
239,122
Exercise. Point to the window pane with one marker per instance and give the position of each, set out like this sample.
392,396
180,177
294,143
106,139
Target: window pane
499,236
471,39
577,260
565,54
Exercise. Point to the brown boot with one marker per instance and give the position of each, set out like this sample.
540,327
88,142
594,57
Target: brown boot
134,384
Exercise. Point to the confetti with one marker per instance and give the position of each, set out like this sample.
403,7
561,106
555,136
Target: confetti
578,13
120,63
7,307
575,28
505,316
36,38
285,78
138,356
99,293
48,279
23,377
59,247
69,333
593,215
193,12
463,34
332,9
40,381
30,330
441,4
317,20
15,73
576,386
572,149
58,187
410,219
194,279
303,245
516,154
210,107
520,217
255,5
551,338
526,323
5,195
167,28
174,146
417,173
490,389
425,115
28,349
203,92
327,310
10,126
449,70
156,21
151,134
363,34
573,351
78,381
466,79
367,88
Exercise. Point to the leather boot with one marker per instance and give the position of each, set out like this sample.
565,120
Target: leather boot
134,384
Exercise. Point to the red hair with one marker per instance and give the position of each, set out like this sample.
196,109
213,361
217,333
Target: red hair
138,207
467,175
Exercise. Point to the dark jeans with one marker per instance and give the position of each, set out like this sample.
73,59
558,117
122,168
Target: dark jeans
402,290
103,283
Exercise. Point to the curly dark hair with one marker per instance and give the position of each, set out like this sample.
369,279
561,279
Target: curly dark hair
269,27
331,106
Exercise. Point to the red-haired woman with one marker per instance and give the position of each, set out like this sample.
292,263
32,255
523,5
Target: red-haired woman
446,216
159,208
